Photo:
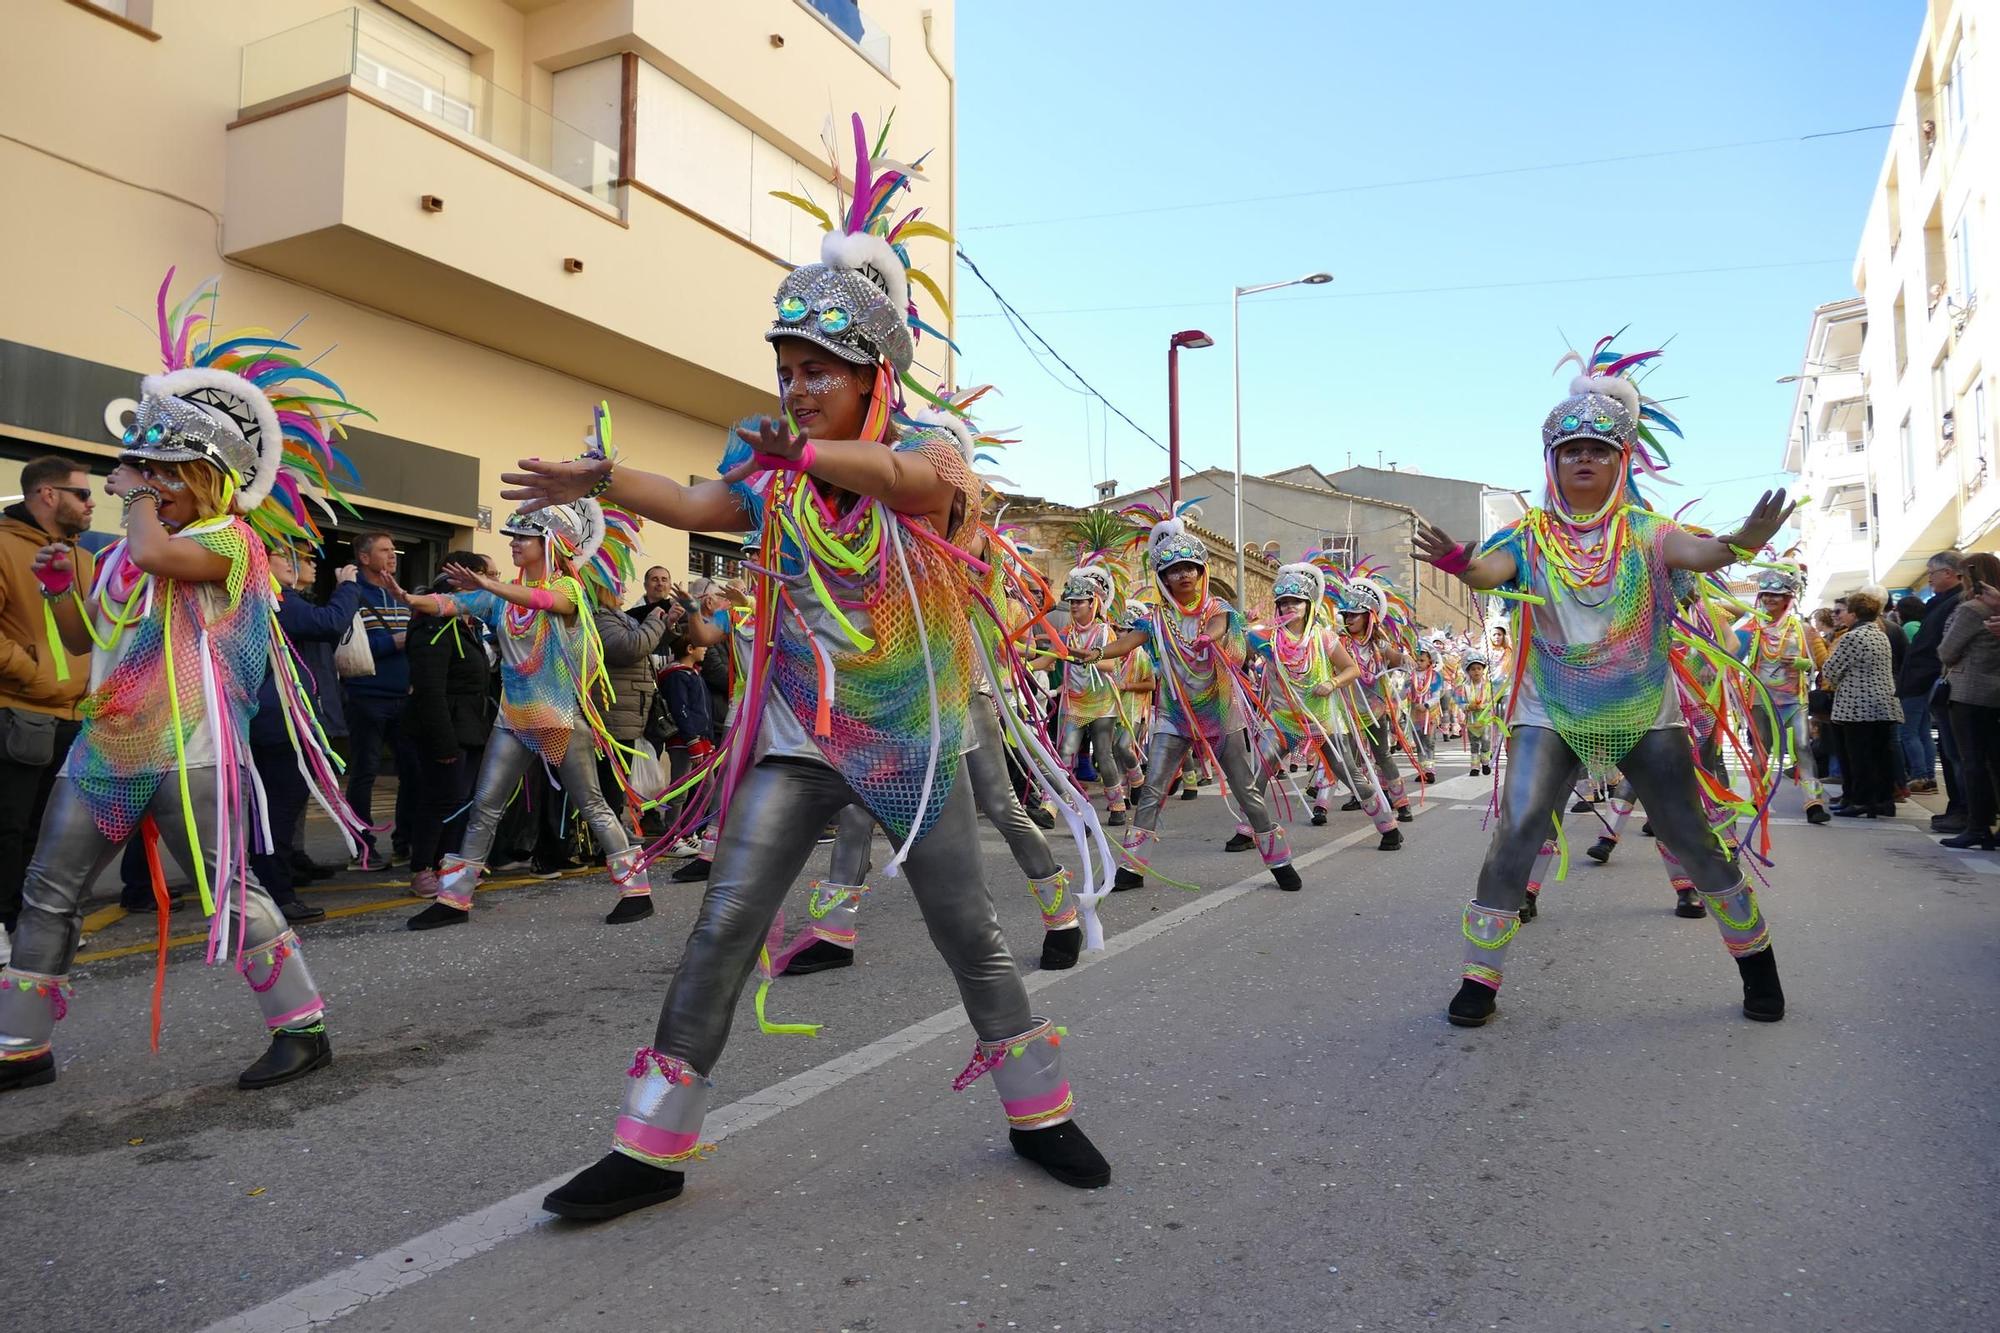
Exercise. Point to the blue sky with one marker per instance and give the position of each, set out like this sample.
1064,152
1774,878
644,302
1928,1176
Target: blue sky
1067,110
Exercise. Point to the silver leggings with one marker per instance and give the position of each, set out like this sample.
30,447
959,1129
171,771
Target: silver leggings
992,793
1107,756
1792,727
1542,769
773,822
508,762
71,852
1165,754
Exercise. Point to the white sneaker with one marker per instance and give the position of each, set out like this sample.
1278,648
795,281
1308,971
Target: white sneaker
685,847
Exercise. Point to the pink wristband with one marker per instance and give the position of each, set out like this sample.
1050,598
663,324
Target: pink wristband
775,463
1458,561
541,599
55,582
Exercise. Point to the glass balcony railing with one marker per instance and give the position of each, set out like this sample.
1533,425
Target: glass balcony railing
846,18
352,49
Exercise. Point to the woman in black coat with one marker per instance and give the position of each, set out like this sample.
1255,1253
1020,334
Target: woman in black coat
449,717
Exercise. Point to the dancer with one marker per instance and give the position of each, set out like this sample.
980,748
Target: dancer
1476,702
1197,645
1364,632
1426,707
551,660
1780,648
858,692
1591,685
1308,667
182,618
1088,710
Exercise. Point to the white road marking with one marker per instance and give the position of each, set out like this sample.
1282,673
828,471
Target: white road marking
341,1293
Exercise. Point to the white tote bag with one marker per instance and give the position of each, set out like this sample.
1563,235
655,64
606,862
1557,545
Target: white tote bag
353,657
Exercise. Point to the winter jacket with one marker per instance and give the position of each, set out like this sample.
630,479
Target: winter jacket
686,696
1921,667
449,707
304,622
27,665
1971,657
385,619
1862,678
628,649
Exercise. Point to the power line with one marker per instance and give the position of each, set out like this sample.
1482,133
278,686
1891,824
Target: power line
1019,323
1423,180
1433,291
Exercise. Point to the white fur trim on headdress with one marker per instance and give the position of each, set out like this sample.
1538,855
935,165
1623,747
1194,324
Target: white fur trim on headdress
1609,386
874,258
270,436
590,521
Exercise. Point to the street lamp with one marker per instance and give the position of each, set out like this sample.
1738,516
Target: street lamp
1236,349
1185,338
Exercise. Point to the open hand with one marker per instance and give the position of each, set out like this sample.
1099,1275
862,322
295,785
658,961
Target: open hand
462,578
1765,519
539,484
772,441
1433,544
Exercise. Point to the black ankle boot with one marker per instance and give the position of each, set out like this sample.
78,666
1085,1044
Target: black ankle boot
1473,1006
1319,818
613,1186
691,873
1392,841
1763,997
819,956
1061,948
635,907
30,1073
1288,877
1969,840
1404,815
293,1054
1127,879
1350,804
1529,911
438,914
1242,842
1600,852
1688,903
1065,1153
1816,814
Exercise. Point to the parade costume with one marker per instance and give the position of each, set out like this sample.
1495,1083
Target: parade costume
1781,650
1088,708
1426,687
1304,707
163,751
1476,702
1375,737
1593,688
858,692
550,666
1203,707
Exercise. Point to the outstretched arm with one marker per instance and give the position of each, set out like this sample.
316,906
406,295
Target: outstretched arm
1460,561
1705,555
903,479
1118,647
706,506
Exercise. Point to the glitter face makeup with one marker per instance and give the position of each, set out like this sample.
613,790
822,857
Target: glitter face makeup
825,382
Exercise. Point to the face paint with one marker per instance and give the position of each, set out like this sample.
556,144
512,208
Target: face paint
826,382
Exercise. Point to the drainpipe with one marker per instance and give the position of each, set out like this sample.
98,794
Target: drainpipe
951,192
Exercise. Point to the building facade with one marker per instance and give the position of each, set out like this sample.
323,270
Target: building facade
1828,451
1286,514
497,212
1929,356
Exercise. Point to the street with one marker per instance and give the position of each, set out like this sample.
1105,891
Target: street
1298,1139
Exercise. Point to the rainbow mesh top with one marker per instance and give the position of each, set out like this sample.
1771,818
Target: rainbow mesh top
1088,692
547,662
1199,695
1593,654
1305,661
864,633
167,642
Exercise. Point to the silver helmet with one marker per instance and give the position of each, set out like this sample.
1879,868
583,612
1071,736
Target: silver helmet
205,414
854,302
577,529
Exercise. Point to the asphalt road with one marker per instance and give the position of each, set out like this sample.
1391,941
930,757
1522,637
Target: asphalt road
1298,1139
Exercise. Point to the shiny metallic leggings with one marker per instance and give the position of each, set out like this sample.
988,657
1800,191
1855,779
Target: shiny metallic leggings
1106,755
508,762
1792,726
1166,753
992,793
72,852
1541,770
774,819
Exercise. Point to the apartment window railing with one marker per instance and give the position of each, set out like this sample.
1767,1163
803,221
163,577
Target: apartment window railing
846,18
353,49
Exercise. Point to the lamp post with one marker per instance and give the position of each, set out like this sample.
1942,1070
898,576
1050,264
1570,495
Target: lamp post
1236,350
1185,338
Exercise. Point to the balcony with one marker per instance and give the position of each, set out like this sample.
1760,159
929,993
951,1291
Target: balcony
343,176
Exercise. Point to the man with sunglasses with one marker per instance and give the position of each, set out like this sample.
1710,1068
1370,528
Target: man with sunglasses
40,682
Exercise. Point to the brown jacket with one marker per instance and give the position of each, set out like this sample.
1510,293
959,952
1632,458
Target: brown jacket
27,671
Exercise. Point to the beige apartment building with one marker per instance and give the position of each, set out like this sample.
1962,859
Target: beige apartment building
1928,354
496,212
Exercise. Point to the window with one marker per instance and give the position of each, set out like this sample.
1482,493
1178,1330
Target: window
1905,444
1941,403
1956,89
1979,437
1961,243
1340,545
406,61
712,559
